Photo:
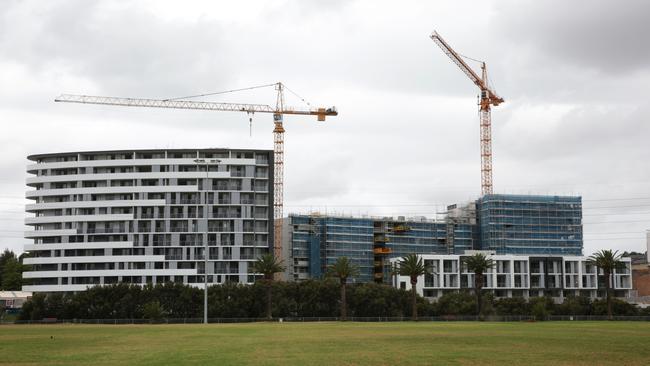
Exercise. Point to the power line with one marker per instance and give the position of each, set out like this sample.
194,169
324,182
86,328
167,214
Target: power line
613,239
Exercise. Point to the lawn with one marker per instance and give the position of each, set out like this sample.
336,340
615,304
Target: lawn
454,343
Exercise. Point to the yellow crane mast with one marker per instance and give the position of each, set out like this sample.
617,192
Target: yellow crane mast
487,99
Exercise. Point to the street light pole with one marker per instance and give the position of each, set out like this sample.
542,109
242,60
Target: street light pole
206,250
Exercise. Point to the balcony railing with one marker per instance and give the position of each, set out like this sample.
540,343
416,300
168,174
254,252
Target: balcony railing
226,187
104,230
219,229
190,242
179,229
165,243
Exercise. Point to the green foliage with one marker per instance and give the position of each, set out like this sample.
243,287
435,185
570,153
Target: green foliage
607,260
315,298
574,305
343,269
230,300
371,299
153,311
11,271
619,307
478,263
268,266
512,306
541,307
4,257
456,303
412,266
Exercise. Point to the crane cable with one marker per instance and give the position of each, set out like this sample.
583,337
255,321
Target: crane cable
296,94
221,92
242,89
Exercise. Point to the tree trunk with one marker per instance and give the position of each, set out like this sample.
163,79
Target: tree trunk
609,299
414,299
478,286
268,300
344,310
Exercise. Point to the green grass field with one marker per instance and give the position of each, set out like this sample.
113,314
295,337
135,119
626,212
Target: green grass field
455,343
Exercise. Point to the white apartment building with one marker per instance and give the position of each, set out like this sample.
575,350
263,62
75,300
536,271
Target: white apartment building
519,276
145,216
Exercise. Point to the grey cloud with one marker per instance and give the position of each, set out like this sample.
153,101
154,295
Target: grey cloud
605,35
408,128
118,51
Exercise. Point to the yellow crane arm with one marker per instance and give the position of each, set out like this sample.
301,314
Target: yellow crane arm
487,94
185,104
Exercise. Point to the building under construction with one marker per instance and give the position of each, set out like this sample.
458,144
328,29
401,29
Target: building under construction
505,224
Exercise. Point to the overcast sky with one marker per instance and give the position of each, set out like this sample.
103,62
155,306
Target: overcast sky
574,75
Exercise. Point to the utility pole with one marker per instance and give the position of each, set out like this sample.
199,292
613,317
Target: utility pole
207,163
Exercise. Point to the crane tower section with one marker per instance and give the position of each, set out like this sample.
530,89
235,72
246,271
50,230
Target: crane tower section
487,98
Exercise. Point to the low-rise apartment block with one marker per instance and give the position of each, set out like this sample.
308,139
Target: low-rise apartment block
519,276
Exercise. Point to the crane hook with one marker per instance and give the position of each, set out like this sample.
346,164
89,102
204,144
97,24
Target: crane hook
250,123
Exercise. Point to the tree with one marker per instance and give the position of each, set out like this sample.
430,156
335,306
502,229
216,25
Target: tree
4,258
268,266
153,311
412,266
456,303
478,263
12,275
343,269
609,261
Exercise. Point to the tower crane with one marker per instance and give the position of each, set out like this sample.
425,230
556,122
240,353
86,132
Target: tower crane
278,131
487,99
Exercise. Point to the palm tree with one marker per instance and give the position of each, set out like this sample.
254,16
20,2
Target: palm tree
343,269
268,266
478,263
413,267
608,261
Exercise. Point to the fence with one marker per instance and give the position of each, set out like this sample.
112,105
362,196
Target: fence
448,318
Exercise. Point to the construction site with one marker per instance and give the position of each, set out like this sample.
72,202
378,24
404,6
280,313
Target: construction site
237,208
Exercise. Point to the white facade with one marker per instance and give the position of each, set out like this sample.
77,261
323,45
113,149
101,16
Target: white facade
144,216
519,276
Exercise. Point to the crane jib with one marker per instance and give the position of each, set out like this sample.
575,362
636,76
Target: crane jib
185,104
